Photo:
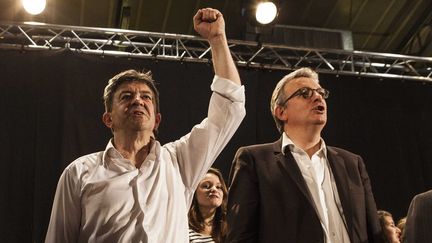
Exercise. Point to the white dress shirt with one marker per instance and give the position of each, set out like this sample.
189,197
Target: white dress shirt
322,187
102,197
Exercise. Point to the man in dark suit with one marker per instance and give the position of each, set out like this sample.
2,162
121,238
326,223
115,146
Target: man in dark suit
297,189
418,223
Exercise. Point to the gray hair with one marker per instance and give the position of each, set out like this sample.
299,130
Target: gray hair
279,96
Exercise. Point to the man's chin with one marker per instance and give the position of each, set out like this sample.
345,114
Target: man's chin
320,122
139,127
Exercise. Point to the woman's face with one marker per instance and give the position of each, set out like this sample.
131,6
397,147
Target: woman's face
209,192
391,232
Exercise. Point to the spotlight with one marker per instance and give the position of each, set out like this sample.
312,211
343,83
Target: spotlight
34,7
261,17
265,12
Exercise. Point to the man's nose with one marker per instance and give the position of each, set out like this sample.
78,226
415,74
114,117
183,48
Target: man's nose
137,99
316,95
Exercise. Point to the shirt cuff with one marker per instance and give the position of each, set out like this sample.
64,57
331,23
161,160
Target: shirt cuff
228,89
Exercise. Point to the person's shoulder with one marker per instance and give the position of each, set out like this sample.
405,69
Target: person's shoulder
341,151
258,147
421,204
424,196
195,237
260,152
85,162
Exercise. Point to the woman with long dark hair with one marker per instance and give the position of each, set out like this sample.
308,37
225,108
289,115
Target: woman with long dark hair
207,215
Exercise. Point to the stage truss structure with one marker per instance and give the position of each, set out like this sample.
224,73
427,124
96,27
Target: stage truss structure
187,48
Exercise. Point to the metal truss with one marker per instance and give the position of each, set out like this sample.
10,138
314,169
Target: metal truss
187,48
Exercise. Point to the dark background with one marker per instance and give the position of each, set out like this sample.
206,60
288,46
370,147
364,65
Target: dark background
51,109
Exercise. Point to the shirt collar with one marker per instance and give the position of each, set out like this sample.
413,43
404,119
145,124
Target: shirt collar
286,141
111,153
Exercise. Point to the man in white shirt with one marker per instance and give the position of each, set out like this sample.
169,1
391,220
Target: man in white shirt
297,189
137,190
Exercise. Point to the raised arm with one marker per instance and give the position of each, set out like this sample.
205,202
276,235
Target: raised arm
210,24
197,150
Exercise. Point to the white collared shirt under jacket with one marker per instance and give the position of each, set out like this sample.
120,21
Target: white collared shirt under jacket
102,197
317,175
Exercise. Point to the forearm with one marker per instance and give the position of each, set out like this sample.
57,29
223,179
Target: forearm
223,63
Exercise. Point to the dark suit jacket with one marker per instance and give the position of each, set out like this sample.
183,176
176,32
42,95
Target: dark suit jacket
270,202
418,227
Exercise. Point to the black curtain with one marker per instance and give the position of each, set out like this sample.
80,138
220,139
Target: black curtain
52,106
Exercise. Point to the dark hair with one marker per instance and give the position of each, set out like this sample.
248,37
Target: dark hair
129,76
381,215
196,221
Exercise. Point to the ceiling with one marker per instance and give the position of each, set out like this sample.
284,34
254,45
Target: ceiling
390,26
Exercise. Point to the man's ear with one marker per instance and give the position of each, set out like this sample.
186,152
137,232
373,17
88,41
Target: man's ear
158,119
280,113
107,120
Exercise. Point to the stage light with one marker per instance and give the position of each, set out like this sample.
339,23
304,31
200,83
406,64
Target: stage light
34,7
265,12
260,18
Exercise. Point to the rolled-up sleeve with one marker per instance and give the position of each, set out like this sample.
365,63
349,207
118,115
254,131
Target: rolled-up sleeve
228,89
196,151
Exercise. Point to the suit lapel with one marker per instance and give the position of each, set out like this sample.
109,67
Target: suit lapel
340,175
289,165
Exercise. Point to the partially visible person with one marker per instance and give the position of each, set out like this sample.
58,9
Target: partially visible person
418,228
401,225
390,233
137,190
207,215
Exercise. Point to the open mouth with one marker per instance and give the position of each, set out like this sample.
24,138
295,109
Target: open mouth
320,108
138,113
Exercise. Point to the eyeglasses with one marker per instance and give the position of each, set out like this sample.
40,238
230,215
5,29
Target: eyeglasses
307,92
